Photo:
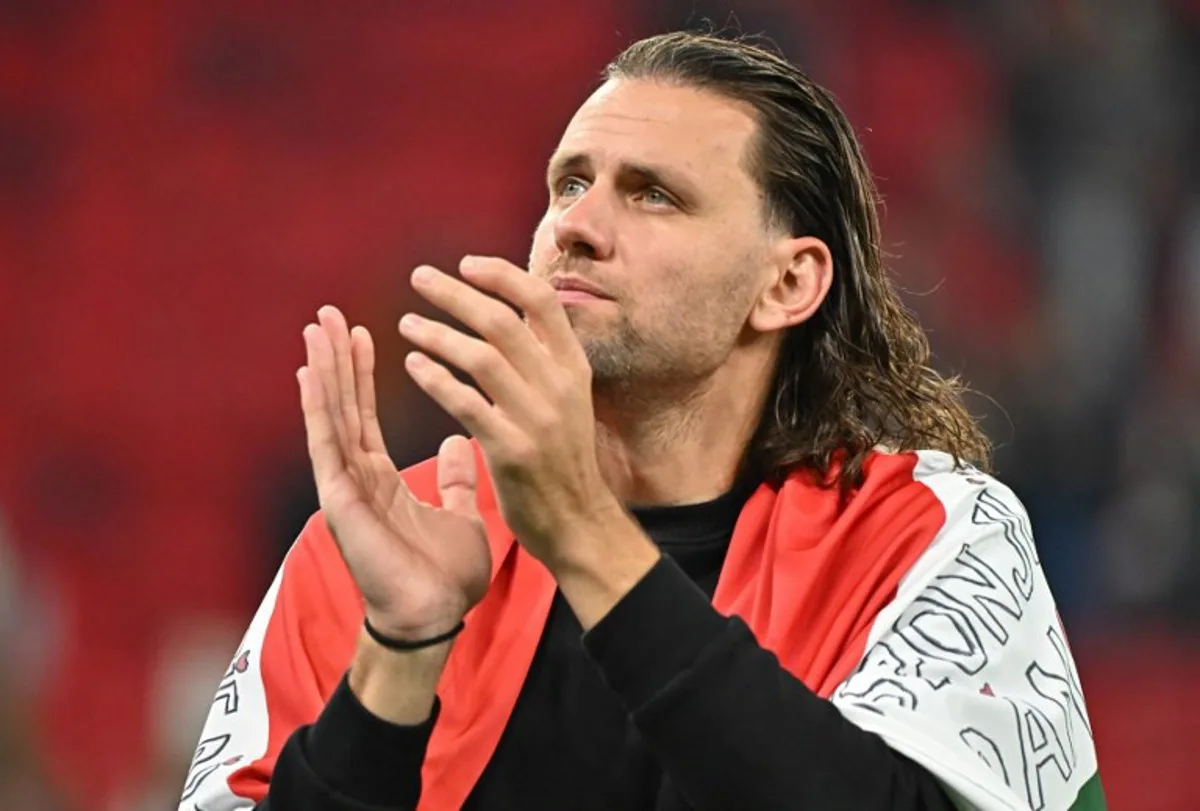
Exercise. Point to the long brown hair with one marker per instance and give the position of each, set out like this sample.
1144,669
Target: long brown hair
857,374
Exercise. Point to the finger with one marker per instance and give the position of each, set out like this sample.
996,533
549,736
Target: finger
323,368
533,296
323,446
362,353
458,399
334,324
457,475
496,321
482,361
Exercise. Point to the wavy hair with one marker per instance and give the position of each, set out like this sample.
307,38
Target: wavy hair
857,374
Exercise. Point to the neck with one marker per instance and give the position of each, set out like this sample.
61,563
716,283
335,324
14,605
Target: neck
679,446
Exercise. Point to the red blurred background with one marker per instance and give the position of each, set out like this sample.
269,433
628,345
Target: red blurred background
182,184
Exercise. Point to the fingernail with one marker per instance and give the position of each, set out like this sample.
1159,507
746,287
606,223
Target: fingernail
410,321
422,274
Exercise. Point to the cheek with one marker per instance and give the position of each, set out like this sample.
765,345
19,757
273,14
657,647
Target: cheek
669,303
697,297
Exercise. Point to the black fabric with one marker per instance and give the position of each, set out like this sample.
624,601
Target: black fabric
350,760
665,705
568,729
730,727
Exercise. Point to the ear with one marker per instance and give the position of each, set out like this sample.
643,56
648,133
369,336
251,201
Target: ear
801,275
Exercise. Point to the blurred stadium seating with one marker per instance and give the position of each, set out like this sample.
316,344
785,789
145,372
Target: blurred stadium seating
182,184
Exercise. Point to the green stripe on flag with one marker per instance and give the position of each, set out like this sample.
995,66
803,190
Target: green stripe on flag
1090,797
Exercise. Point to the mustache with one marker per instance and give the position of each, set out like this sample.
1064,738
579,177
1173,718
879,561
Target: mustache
563,264
567,265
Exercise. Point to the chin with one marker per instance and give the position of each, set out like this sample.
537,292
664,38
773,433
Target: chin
578,317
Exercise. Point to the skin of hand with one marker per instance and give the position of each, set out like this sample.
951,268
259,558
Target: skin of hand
419,567
534,419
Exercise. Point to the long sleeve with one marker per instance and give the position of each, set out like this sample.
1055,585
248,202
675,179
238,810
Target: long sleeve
350,760
730,726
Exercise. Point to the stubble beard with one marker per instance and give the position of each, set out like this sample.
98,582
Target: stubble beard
629,371
612,355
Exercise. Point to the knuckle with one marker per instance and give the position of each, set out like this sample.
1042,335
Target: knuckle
485,359
433,379
521,452
562,388
498,322
544,421
543,296
551,428
471,406
446,384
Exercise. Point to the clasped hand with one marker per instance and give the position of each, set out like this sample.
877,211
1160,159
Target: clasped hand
421,567
536,424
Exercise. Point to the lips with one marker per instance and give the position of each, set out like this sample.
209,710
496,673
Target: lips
576,288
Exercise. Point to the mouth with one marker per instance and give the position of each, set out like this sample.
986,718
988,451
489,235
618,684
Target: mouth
572,290
578,297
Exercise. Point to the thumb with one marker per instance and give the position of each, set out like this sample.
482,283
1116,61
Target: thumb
457,476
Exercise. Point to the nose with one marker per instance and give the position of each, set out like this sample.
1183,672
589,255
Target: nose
585,227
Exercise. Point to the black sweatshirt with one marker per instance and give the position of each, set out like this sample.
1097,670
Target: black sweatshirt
665,704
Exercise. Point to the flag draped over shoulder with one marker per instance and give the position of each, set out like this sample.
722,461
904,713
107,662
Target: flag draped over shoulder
968,671
917,606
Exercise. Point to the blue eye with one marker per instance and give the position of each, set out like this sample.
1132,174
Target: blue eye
657,197
571,187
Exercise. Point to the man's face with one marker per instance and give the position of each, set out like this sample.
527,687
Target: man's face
650,202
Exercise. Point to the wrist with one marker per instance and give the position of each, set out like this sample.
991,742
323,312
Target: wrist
410,644
417,624
586,541
599,565
397,686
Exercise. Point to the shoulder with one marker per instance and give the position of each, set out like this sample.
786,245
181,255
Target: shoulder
973,519
966,670
947,505
956,483
959,491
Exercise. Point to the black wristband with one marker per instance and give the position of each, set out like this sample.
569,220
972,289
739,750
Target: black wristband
417,644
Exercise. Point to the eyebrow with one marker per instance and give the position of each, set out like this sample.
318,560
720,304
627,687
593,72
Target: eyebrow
628,172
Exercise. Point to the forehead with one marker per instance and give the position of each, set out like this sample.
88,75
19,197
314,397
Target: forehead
696,131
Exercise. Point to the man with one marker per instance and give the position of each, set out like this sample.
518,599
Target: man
718,542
